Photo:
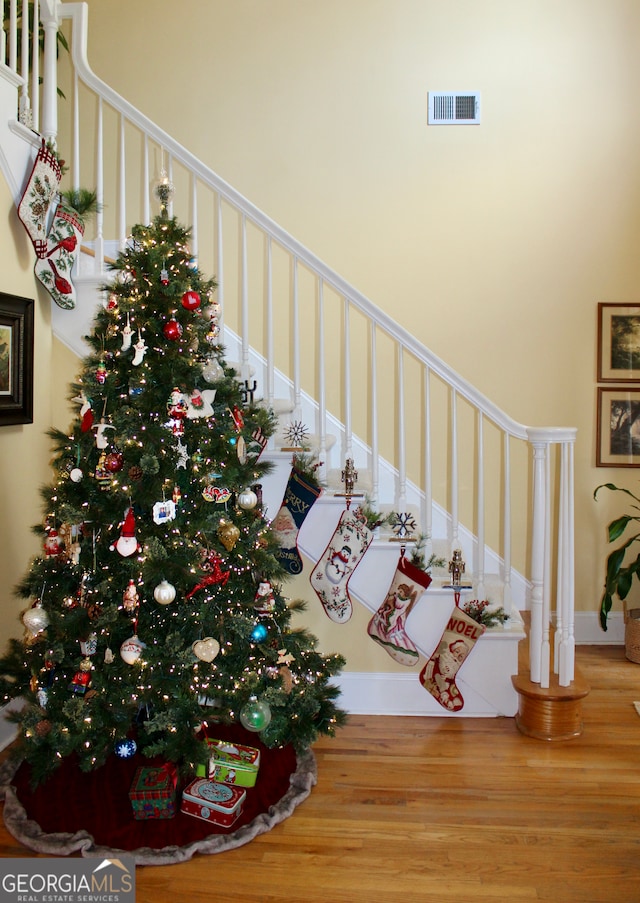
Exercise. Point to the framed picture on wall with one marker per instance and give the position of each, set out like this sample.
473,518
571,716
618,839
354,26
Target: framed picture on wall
618,343
618,427
16,360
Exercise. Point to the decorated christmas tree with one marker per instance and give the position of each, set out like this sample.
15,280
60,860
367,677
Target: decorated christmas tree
156,606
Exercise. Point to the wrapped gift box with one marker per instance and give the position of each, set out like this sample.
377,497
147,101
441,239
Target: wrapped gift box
153,791
232,763
211,801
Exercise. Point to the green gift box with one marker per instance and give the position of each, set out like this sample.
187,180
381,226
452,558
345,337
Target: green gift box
231,763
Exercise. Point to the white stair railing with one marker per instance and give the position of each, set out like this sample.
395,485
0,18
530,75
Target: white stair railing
403,411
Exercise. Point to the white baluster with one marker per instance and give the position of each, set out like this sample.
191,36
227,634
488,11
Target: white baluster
270,336
427,512
244,301
99,258
50,23
146,184
75,166
13,35
295,337
375,461
24,106
402,457
455,541
122,187
480,506
3,37
348,436
507,595
220,264
566,574
322,388
194,218
35,68
545,620
540,451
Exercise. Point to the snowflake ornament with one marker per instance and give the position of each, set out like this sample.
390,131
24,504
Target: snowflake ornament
296,433
404,525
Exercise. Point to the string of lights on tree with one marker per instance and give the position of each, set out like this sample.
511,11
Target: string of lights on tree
156,605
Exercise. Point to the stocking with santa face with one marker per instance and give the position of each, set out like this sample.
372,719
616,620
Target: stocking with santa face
331,575
439,674
299,496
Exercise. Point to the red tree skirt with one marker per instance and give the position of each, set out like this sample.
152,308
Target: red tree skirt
90,812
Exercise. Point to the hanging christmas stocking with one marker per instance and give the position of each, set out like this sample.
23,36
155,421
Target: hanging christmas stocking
332,573
299,496
41,191
63,242
439,674
388,625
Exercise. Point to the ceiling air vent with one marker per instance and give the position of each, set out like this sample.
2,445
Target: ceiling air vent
449,108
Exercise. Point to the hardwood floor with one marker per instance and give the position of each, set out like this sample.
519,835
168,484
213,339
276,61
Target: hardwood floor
439,809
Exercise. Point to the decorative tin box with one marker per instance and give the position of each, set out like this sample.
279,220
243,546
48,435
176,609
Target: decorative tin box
232,763
213,802
153,792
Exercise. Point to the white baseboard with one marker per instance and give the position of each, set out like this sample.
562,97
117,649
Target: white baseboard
588,631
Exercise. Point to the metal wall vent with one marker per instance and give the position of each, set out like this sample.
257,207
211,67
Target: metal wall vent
450,108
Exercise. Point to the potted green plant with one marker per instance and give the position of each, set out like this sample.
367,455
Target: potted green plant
620,572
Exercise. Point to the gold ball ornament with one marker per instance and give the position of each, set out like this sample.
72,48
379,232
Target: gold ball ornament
228,534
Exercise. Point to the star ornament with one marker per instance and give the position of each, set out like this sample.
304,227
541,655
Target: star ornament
404,525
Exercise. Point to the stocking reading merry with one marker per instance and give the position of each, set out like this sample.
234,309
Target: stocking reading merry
332,573
388,625
299,496
439,674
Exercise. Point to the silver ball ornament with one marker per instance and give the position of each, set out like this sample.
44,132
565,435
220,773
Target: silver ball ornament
35,619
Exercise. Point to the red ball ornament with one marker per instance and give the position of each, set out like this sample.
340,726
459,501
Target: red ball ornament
191,300
172,330
113,462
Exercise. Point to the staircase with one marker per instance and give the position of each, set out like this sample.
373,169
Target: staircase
425,443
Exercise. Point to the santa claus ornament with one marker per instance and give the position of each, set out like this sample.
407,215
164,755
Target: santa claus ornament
127,544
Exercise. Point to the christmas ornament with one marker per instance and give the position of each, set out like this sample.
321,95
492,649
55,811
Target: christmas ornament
164,276
164,511
127,544
172,330
127,334
90,645
332,573
35,619
131,650
135,473
388,625
76,475
101,428
130,598
53,544
81,680
164,593
299,496
200,404
112,303
140,349
177,409
259,633
101,373
438,676
264,602
206,649
228,535
247,499
86,414
212,370
255,715
191,300
125,749
113,462
296,434
214,576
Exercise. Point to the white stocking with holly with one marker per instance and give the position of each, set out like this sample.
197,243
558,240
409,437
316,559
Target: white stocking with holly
388,625
331,575
63,243
439,674
40,193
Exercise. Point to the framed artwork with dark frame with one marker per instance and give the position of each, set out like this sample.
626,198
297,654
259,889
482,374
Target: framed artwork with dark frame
618,427
16,359
618,343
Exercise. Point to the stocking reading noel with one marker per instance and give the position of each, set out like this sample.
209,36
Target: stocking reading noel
388,625
299,496
332,573
439,674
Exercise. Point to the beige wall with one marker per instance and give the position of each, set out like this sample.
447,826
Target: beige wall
492,243
24,449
